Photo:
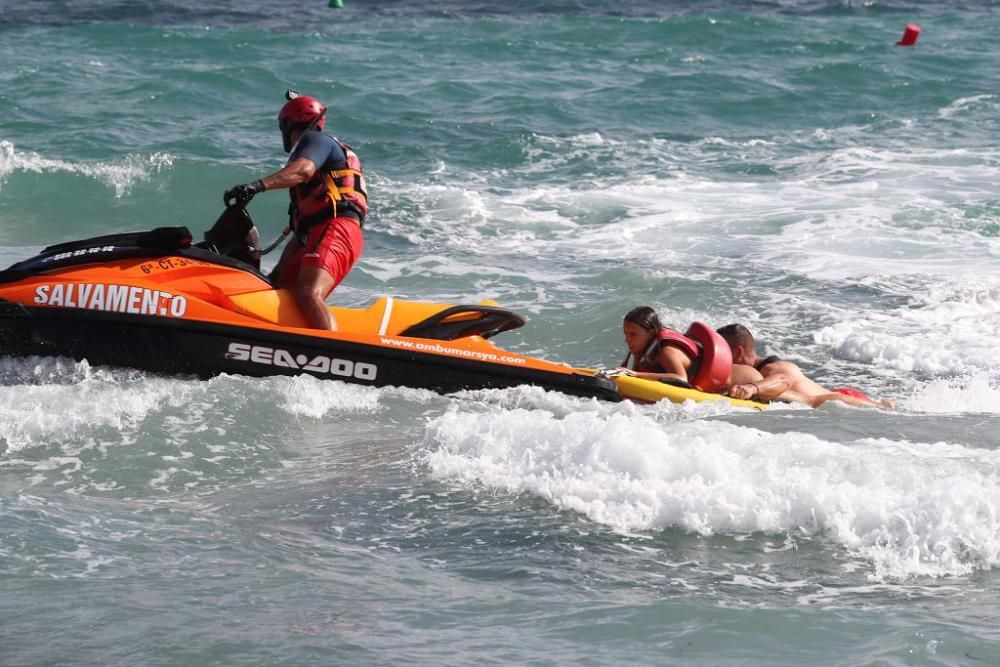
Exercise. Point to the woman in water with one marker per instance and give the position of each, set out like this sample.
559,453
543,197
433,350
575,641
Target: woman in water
700,357
653,355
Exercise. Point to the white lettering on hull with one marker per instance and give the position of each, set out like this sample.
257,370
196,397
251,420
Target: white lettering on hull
270,356
111,298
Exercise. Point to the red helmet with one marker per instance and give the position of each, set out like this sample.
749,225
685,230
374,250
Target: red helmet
302,110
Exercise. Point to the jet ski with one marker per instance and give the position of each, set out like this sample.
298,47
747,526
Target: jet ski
156,301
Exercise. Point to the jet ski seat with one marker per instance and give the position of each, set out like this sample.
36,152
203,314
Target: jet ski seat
165,238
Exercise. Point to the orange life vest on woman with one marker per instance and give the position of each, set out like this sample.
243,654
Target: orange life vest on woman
647,362
331,194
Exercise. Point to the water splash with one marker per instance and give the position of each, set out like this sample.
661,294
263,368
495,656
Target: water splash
119,175
910,509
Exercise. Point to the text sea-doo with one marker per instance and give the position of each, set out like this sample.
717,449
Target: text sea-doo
155,301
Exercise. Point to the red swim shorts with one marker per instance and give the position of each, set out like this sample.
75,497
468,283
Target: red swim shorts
847,391
333,247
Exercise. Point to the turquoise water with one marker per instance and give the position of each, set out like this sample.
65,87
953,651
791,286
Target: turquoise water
777,163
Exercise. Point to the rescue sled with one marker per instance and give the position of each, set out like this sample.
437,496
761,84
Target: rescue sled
652,391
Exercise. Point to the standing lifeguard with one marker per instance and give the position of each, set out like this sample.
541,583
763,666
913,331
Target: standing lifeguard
329,202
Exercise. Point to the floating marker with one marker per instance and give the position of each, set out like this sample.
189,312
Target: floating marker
336,4
910,35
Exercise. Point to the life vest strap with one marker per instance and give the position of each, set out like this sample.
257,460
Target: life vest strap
339,192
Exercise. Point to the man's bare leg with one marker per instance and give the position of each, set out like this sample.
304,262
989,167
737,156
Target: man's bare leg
310,292
817,401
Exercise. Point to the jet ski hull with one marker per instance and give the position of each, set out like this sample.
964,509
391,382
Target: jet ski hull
205,349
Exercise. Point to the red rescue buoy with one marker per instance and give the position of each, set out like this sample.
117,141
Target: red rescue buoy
910,35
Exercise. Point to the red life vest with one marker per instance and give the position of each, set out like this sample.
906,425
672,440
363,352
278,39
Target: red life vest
716,359
703,345
327,195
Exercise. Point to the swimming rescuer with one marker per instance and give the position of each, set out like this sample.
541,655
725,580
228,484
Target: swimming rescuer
780,379
700,358
329,203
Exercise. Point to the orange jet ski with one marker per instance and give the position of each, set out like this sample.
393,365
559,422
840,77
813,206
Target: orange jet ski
156,301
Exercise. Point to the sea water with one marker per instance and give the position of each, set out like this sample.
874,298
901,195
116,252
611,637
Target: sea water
778,163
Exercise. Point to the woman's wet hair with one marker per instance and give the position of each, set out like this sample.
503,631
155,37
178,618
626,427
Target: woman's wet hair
645,317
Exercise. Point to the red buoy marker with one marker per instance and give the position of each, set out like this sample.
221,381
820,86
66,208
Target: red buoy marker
910,35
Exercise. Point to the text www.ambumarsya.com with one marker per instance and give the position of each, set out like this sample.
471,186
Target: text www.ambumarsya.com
454,351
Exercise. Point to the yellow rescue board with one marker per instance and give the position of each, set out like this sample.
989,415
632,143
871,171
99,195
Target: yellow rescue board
651,391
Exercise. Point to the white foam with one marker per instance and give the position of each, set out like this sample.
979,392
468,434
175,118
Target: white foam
948,328
47,399
528,397
838,213
119,174
84,400
312,397
986,104
978,393
908,508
